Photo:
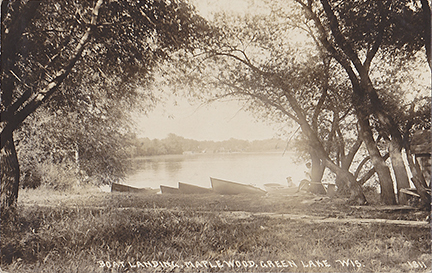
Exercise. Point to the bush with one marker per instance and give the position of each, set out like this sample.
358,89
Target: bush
372,195
56,176
30,178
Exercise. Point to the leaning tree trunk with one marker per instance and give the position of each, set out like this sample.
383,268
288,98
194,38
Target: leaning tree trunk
317,170
340,183
400,172
418,180
9,175
315,144
381,168
356,192
346,161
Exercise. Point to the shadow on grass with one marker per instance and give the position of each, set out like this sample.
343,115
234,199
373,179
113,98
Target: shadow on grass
66,238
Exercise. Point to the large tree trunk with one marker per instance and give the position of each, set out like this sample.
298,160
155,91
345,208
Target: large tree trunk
340,183
342,189
356,193
399,170
386,182
362,89
346,161
317,170
316,173
9,175
427,33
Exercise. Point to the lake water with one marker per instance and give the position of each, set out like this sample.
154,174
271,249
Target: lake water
248,168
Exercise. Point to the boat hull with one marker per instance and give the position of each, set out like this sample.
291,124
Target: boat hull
278,189
192,189
231,188
169,190
116,187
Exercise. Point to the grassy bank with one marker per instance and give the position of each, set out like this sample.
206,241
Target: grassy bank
104,232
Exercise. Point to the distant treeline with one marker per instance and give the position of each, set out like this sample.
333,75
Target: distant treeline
174,144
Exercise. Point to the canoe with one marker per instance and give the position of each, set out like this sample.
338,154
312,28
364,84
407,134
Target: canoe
116,187
192,189
228,187
278,189
274,186
169,190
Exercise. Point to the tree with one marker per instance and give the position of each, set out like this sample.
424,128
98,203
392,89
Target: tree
355,31
52,50
252,60
91,144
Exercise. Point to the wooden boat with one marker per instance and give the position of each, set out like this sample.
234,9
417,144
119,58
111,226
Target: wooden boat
116,187
275,186
169,190
192,189
278,189
227,187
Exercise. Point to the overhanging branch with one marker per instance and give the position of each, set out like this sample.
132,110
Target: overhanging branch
43,95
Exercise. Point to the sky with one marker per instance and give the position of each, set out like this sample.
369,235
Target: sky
221,120
218,121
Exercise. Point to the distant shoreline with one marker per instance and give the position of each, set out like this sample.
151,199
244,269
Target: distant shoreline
195,154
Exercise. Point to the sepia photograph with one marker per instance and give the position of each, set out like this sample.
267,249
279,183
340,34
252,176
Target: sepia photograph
215,136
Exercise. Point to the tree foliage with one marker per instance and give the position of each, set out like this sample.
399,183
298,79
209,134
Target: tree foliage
128,39
87,63
254,60
332,83
355,33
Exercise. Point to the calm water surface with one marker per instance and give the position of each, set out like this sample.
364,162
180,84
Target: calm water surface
247,168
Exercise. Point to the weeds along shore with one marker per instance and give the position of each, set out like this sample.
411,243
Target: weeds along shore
104,232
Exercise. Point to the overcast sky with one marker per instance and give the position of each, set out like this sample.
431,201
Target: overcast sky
219,121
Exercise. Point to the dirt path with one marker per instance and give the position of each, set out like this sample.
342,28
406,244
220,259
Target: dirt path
320,219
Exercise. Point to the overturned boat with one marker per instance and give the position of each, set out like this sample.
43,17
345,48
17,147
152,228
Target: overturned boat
169,190
229,188
278,189
192,189
116,187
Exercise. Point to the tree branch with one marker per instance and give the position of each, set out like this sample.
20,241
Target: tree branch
340,39
369,174
44,94
322,97
371,53
427,30
354,149
331,49
257,96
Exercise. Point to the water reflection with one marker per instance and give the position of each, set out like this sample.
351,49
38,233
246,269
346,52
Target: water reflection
170,164
173,167
257,168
